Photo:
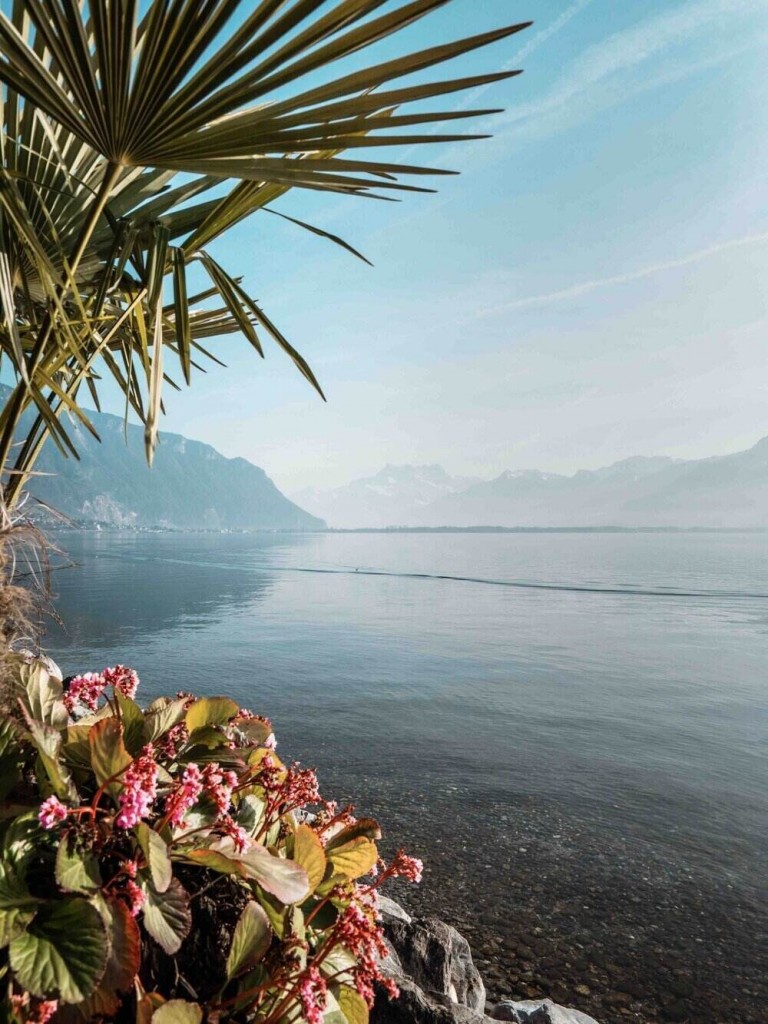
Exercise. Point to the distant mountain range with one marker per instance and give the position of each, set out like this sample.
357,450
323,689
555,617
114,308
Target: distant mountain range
398,495
191,485
722,491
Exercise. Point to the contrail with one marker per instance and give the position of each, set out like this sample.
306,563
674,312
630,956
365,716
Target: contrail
533,44
633,275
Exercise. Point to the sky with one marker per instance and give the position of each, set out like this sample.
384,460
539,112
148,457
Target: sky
594,284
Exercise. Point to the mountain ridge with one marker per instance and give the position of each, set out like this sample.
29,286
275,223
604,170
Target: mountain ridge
190,486
719,491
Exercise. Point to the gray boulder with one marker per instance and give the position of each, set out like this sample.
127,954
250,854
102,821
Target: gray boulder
431,964
538,1011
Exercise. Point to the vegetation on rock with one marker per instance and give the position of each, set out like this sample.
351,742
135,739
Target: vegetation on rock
164,865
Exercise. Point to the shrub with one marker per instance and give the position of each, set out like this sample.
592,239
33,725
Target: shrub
163,865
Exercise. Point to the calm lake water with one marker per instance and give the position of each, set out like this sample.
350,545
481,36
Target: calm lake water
615,679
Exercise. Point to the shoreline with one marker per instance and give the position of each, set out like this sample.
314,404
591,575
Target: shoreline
611,927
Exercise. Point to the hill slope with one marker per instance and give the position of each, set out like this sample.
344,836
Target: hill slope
191,485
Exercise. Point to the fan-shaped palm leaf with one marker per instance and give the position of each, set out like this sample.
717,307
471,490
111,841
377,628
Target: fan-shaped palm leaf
105,104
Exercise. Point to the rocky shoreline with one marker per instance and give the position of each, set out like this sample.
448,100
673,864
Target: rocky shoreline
432,965
605,924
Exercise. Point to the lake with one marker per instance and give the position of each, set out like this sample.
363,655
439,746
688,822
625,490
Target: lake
585,708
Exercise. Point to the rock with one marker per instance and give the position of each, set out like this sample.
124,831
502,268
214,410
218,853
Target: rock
431,963
538,1011
436,958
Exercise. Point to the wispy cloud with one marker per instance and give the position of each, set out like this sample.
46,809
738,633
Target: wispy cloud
584,287
681,39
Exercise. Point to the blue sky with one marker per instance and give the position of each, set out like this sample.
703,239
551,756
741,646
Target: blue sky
592,286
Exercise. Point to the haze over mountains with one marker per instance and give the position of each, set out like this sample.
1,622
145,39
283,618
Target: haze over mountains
191,485
722,491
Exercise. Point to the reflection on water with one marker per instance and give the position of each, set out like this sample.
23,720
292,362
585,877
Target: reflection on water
591,689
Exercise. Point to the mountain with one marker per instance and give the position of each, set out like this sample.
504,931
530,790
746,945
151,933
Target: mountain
191,485
722,491
396,495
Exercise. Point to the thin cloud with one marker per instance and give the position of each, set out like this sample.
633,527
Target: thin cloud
608,72
618,279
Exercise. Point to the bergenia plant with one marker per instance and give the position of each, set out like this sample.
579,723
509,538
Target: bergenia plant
164,866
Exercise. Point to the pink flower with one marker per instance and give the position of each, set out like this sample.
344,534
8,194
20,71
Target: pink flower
136,897
313,995
139,789
130,868
171,742
230,827
218,785
125,680
403,866
187,794
85,690
51,812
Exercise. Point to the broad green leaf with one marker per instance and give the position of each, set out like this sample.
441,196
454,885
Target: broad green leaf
123,963
76,746
49,743
109,758
309,853
17,905
250,813
76,870
155,851
366,827
178,1011
9,736
167,915
161,717
283,878
63,951
251,940
354,859
210,711
43,695
352,1005
132,718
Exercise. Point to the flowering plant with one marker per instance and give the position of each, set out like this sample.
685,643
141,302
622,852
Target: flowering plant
163,864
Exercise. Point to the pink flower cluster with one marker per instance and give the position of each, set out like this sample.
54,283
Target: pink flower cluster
51,812
218,785
125,680
313,994
171,742
139,789
360,933
34,1011
185,796
403,866
136,897
85,690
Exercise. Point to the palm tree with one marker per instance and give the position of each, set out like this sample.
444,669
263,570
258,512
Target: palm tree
133,135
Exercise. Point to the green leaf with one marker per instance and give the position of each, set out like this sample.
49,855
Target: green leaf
252,939
43,695
17,905
210,711
178,1011
109,758
123,963
132,718
63,952
49,743
354,859
283,878
161,717
352,1005
76,871
366,827
167,916
155,852
309,853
